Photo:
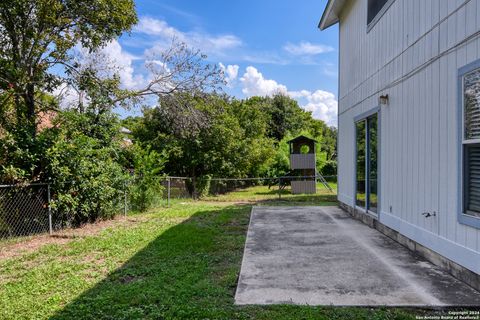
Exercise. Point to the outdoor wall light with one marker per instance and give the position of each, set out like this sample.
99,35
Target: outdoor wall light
383,99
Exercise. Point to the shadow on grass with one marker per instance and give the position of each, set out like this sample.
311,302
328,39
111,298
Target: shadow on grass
190,272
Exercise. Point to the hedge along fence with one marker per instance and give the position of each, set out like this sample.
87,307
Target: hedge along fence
28,209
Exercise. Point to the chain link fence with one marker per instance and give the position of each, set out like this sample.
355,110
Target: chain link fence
275,187
24,210
27,209
177,188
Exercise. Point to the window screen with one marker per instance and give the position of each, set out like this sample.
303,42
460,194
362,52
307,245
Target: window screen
374,7
471,143
471,98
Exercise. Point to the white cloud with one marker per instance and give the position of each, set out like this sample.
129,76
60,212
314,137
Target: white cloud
299,94
254,84
230,72
210,44
113,59
218,42
122,61
66,95
109,60
157,34
265,58
306,48
155,27
322,104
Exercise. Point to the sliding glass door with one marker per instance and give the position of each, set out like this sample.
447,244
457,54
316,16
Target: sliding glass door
361,162
372,163
367,163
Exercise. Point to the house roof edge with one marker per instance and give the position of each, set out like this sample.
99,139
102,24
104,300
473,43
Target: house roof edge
330,14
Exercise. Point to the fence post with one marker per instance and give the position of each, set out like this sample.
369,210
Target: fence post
279,188
50,227
168,192
125,199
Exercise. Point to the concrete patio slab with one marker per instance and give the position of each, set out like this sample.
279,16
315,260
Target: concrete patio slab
321,256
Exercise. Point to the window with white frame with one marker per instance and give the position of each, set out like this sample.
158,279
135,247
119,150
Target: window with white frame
470,84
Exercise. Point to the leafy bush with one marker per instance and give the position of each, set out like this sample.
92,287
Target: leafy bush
88,182
202,186
22,156
330,168
146,189
11,174
83,157
198,187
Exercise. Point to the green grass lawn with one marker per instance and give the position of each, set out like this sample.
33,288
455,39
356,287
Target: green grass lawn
263,195
172,263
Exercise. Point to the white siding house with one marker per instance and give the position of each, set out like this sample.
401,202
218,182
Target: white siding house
409,107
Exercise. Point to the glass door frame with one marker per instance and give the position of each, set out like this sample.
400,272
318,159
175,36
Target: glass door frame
364,117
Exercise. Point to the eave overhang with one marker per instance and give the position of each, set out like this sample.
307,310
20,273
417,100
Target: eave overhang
331,13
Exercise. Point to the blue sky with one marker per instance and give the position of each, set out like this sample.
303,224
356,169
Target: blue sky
265,46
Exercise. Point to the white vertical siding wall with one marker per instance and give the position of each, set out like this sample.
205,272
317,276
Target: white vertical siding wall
413,55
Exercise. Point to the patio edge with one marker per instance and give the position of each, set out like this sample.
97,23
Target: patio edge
461,273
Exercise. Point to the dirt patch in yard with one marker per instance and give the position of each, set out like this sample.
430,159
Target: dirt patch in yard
30,244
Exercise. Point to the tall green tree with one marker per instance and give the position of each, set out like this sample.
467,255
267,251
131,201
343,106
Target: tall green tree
225,137
319,128
211,137
37,35
38,41
285,116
